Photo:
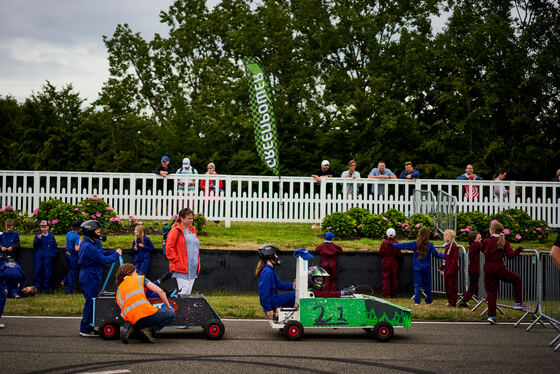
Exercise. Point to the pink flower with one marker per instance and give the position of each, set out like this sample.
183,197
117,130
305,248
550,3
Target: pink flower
407,228
493,221
1,210
88,204
93,216
517,236
8,208
137,222
109,208
467,229
526,230
546,229
35,212
54,221
384,218
506,232
84,213
538,229
95,198
131,217
76,209
98,215
417,226
175,216
436,234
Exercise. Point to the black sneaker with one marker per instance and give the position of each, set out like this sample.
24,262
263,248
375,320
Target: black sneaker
462,304
125,332
148,334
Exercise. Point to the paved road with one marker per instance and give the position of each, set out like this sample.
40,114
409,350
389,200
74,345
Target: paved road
52,345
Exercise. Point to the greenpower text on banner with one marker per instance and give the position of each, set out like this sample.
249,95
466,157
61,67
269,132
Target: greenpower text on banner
262,108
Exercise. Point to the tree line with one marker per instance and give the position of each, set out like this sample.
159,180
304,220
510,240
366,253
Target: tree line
363,80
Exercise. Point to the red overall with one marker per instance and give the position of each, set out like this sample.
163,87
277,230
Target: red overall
328,252
389,267
451,273
474,270
495,271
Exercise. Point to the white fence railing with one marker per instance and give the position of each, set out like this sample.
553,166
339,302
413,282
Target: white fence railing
264,198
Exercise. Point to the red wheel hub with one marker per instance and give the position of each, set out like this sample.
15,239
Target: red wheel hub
109,330
383,331
293,331
214,329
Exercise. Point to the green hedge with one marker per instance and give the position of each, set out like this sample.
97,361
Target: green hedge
358,222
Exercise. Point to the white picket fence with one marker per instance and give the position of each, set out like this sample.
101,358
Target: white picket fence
264,198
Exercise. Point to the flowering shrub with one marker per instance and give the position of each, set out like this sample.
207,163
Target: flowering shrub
58,213
359,214
342,225
415,223
96,208
199,221
8,212
395,219
373,226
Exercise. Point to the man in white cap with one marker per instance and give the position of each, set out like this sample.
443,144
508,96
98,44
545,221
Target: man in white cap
189,183
324,172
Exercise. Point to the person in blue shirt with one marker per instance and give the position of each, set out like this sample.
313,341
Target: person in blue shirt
409,172
269,283
13,280
142,247
423,251
46,249
9,240
91,258
72,247
380,172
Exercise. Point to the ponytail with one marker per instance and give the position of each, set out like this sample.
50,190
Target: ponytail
497,229
260,267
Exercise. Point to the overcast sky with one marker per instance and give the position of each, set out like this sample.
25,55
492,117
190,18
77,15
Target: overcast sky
61,41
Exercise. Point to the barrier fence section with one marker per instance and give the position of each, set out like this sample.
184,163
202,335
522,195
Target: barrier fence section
438,283
526,265
266,198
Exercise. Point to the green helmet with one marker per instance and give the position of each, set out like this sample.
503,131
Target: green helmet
316,277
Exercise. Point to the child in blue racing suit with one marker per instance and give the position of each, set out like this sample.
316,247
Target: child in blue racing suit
269,283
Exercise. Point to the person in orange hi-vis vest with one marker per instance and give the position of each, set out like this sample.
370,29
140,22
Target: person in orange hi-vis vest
139,315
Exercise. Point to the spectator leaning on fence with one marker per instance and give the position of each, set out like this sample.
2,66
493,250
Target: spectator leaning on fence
164,168
409,171
380,172
350,174
470,192
186,184
555,252
500,191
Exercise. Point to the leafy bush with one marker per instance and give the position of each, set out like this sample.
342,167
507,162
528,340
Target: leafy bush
359,214
58,213
8,212
199,221
415,223
374,226
396,219
341,224
96,208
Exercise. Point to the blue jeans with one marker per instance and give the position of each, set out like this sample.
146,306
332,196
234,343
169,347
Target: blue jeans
157,321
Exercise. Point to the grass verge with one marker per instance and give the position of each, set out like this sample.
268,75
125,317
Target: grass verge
239,306
251,235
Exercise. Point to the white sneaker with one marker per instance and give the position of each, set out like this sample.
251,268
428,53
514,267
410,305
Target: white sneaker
2,326
90,334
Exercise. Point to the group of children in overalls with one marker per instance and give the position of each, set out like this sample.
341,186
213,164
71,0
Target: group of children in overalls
322,279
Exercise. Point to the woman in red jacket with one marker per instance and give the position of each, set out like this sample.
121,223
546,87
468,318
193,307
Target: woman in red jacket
451,268
494,249
183,252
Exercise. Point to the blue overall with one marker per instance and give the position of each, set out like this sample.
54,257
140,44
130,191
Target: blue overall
143,255
46,250
72,240
13,277
2,294
9,239
269,284
91,258
422,269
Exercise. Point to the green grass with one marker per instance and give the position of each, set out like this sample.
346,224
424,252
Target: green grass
238,306
251,235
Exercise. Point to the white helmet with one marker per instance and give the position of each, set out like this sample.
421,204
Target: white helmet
391,233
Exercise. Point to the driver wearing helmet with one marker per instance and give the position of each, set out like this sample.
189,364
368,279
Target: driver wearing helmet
317,278
269,283
91,258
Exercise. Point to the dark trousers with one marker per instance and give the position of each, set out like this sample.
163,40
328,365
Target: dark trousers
473,286
157,321
389,272
330,267
70,279
493,274
450,283
42,271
